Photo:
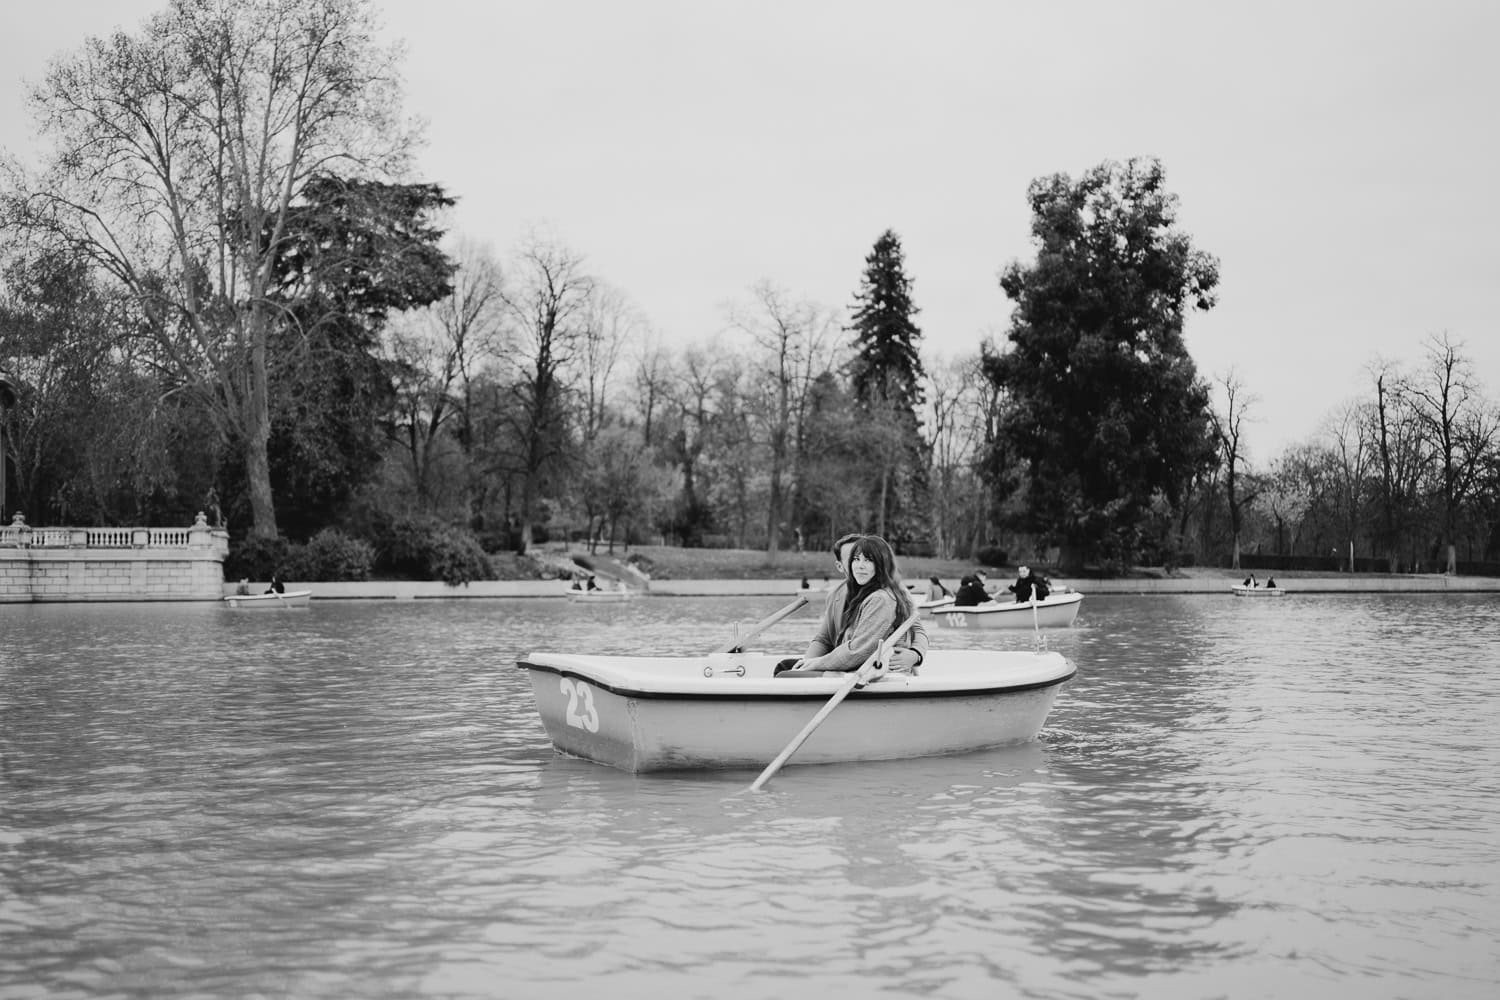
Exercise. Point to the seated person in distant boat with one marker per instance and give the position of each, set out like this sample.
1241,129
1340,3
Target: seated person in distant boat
244,586
1270,582
936,590
276,587
860,614
1028,584
970,592
589,584
1250,581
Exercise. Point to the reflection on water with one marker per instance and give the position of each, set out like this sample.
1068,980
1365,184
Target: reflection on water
1291,798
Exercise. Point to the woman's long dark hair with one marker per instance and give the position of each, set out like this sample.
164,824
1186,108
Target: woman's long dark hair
878,551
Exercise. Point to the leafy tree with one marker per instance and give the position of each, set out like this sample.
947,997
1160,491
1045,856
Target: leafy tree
886,375
352,252
179,155
93,437
1103,403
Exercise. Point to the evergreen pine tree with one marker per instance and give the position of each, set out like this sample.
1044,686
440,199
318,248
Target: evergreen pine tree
886,377
886,365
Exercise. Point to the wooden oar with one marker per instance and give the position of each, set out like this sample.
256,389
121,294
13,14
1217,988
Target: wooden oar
875,662
737,645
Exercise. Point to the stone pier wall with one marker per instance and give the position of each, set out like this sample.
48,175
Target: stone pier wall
111,564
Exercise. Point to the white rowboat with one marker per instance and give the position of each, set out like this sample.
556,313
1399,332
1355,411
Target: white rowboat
1240,590
726,710
928,608
271,602
598,596
1056,611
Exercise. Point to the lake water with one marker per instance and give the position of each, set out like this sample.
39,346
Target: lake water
1237,798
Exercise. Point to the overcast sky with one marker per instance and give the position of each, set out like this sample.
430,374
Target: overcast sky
1337,157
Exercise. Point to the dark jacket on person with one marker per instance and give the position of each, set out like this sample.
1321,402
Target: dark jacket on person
970,592
1030,584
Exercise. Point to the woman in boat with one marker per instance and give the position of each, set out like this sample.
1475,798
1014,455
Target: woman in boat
276,587
935,589
1270,583
860,614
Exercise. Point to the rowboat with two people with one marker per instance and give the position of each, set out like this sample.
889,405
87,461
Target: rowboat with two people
616,596
1053,611
270,600
1251,587
725,709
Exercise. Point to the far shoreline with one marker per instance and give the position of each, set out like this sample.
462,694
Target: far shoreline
398,590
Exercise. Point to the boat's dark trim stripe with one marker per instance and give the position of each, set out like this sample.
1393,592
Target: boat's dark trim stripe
861,693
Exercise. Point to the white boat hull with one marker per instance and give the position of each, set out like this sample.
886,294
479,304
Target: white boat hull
1057,611
1240,590
598,596
270,602
928,608
699,712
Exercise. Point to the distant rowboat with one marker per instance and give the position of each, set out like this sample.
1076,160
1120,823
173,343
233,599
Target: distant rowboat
272,602
1055,611
598,596
1240,590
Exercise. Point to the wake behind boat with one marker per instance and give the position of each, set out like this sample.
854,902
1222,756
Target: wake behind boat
726,710
270,602
1054,611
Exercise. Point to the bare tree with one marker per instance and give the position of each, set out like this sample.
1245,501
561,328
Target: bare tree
653,376
1446,399
611,323
955,437
441,352
178,154
1228,431
1350,460
548,310
789,336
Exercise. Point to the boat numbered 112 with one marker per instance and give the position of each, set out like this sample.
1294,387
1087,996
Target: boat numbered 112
1056,611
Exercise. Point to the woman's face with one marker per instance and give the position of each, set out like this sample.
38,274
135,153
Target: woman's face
844,556
862,568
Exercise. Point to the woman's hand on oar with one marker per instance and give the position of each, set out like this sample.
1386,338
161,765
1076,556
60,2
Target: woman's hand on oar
857,678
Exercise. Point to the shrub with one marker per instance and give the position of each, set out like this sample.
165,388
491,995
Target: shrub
425,549
455,557
333,555
257,558
991,555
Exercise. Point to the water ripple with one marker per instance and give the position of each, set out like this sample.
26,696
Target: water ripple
1288,798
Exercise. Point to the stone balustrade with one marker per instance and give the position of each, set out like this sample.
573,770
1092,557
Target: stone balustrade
111,564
